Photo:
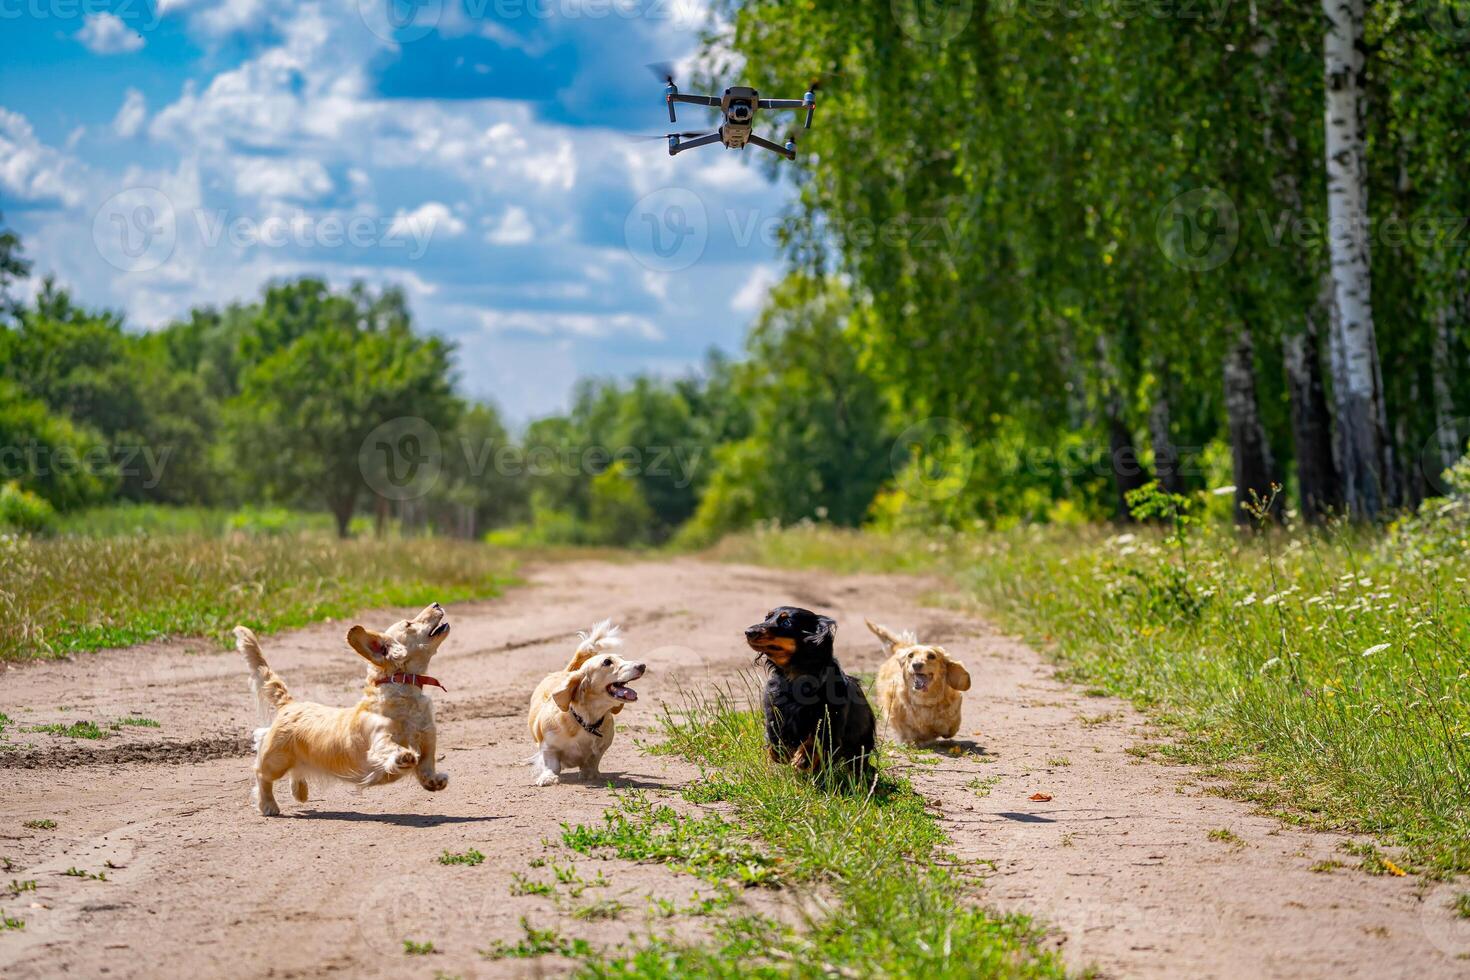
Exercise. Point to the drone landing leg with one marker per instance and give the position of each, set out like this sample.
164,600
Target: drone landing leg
678,148
766,144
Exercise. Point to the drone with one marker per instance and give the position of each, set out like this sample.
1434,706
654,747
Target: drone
738,105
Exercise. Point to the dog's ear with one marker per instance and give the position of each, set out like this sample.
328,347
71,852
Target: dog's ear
372,647
825,632
956,674
564,694
381,651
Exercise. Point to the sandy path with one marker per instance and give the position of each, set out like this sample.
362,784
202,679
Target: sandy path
1119,862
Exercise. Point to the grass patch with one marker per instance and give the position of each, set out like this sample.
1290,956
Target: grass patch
411,948
1325,668
77,729
1327,867
1461,905
39,825
470,858
17,887
605,908
85,875
709,847
896,907
536,943
1224,835
9,923
66,595
522,885
134,721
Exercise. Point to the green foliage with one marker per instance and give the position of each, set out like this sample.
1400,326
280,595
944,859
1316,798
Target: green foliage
470,858
47,454
21,510
414,948
39,825
77,729
640,830
617,513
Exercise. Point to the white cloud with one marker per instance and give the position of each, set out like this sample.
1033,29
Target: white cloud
551,323
514,228
752,296
130,116
424,222
275,179
30,169
105,33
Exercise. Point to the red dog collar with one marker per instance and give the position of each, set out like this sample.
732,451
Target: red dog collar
417,680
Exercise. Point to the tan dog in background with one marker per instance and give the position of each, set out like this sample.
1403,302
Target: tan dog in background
572,710
385,736
919,688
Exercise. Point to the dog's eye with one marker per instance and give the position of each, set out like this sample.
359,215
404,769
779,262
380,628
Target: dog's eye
607,662
785,620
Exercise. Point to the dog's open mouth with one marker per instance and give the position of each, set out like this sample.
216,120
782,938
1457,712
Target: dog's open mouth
622,692
440,630
921,681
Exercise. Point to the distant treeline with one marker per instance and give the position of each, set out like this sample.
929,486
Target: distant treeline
319,399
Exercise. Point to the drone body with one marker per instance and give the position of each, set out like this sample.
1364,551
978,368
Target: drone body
738,106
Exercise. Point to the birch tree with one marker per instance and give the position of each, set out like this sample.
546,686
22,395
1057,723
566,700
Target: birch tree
1361,419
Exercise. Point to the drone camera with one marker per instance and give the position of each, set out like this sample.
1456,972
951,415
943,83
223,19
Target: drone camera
741,111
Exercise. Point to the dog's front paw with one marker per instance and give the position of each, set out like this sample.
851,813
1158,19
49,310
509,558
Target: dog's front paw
435,782
405,760
546,778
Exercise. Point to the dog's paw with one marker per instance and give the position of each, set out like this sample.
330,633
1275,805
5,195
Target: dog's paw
269,808
435,782
405,760
546,778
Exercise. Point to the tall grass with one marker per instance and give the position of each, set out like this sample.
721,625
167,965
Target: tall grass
1322,674
69,594
887,901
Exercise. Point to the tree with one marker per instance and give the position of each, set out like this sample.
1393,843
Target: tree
13,266
305,411
1362,425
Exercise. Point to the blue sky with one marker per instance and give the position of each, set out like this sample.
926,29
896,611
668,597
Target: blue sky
161,154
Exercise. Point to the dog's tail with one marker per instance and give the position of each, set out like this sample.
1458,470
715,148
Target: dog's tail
270,690
603,636
905,639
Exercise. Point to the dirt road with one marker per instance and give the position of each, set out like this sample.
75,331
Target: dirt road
1121,862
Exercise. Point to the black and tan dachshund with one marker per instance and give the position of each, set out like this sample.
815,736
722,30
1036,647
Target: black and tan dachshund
815,714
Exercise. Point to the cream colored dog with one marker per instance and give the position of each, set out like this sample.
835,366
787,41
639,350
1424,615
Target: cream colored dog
919,688
385,736
572,710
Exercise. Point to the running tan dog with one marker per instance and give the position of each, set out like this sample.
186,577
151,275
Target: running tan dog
572,710
919,688
385,736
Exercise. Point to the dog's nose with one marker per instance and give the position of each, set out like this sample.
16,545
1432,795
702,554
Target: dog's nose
642,669
754,630
436,607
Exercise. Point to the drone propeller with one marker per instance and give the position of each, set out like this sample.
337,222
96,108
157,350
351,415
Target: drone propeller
662,70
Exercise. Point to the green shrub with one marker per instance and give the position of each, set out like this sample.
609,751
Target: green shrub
21,510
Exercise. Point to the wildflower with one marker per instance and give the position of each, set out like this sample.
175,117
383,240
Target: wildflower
1376,649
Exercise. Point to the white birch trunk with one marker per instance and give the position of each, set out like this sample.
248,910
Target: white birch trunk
1361,418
